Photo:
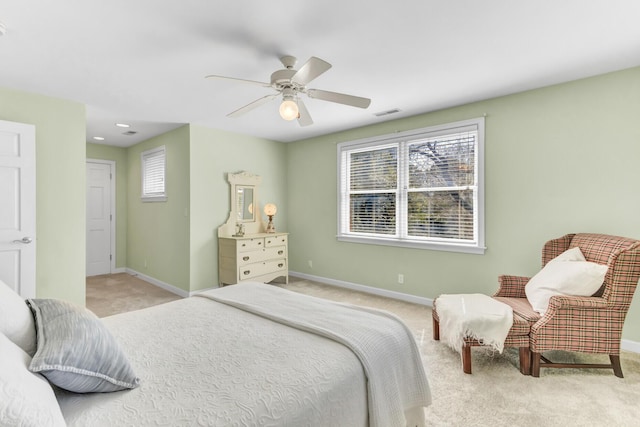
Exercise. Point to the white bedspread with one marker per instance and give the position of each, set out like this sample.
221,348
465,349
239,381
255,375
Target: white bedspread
385,346
475,316
202,363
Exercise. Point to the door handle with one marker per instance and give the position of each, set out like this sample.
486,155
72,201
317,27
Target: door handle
25,240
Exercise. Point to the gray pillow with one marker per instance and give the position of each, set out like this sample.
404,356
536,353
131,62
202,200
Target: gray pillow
75,351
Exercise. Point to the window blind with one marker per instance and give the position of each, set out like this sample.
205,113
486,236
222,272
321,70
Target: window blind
442,187
153,173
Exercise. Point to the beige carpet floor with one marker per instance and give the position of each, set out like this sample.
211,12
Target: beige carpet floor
496,394
118,293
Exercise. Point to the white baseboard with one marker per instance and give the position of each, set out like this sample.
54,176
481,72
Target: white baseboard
631,346
626,345
366,289
166,286
159,283
119,270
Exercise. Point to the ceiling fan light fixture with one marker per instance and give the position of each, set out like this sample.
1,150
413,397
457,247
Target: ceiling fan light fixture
289,109
289,83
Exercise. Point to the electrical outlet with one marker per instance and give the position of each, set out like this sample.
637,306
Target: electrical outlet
310,263
401,278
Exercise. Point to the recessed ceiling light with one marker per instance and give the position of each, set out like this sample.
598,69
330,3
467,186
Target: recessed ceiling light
122,125
98,138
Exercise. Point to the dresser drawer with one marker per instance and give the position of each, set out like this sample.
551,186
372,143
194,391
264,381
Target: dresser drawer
275,241
250,257
275,252
250,244
253,270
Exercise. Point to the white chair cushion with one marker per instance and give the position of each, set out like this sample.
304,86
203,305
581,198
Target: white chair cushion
567,274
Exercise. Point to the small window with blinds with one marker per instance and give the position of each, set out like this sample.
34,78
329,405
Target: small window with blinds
153,175
420,189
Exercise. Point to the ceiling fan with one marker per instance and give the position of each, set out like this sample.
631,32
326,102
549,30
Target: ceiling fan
289,83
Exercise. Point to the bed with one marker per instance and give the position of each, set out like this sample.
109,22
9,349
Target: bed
246,355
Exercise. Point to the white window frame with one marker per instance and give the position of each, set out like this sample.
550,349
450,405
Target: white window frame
402,140
145,156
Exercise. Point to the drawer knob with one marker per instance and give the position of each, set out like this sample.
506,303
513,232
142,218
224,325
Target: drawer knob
280,252
281,265
246,258
259,243
246,272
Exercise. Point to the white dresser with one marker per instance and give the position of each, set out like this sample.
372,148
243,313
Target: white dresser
260,257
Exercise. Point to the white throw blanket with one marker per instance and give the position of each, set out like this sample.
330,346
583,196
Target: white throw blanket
396,380
473,316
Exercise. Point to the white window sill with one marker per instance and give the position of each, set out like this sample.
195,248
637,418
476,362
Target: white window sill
154,199
449,247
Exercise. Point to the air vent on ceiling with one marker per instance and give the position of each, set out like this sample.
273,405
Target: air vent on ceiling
386,113
130,132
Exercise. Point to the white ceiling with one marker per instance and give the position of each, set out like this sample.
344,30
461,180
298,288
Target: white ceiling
143,62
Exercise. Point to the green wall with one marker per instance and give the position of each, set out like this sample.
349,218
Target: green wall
557,160
215,153
158,232
175,241
118,155
60,190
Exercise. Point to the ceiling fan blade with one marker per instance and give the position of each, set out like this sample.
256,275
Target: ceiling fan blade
258,102
340,98
253,82
304,118
310,70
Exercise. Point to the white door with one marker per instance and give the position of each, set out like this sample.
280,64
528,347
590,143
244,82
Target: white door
99,218
18,207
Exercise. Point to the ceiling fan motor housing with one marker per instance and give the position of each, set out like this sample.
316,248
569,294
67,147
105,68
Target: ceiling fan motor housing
281,79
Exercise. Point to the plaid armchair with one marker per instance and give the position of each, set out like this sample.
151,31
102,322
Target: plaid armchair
571,323
582,324
589,324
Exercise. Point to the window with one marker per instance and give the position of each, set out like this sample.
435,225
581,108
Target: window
153,175
421,188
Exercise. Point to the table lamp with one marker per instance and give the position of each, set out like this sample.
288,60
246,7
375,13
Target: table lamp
270,210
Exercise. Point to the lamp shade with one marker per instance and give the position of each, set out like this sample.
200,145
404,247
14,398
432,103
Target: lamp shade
289,110
270,209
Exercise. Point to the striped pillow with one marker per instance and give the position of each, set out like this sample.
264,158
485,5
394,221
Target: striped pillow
75,351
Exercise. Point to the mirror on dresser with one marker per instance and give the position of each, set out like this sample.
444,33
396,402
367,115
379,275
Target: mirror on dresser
245,250
244,214
245,203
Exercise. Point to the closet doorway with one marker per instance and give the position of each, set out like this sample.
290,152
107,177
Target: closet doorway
101,220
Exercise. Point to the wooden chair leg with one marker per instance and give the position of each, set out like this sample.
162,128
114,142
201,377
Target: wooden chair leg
615,364
466,358
535,364
525,361
436,329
